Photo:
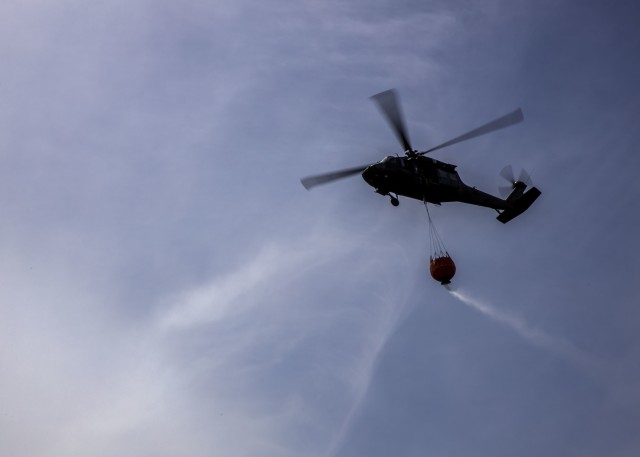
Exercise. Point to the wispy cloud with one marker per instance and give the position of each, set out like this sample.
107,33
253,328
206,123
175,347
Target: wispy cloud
262,360
168,288
396,309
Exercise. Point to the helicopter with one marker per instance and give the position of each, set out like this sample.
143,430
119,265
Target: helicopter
429,180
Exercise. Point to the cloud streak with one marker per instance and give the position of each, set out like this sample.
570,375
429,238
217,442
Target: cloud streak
244,337
377,340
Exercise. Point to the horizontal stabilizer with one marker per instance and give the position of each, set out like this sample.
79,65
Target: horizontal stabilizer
521,205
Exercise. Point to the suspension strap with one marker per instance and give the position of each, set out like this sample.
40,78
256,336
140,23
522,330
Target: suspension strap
436,245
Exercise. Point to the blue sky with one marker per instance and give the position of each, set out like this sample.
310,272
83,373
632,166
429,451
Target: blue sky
170,288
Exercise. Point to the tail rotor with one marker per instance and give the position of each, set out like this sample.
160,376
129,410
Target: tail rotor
523,181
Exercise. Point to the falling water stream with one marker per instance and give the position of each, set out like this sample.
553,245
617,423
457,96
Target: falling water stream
531,335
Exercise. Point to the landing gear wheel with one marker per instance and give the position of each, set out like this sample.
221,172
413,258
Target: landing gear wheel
395,201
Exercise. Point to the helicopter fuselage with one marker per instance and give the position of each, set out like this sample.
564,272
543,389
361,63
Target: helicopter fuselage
428,180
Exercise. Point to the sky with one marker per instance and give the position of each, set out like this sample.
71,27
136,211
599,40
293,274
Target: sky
170,288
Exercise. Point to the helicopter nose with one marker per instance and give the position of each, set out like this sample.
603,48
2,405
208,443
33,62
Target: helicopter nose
370,174
375,175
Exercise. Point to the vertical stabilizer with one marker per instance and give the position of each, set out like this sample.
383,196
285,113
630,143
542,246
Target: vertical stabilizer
520,205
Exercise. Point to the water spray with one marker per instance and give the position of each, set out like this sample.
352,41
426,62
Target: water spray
531,335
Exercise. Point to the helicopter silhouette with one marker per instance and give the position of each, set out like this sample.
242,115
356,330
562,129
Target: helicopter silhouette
429,180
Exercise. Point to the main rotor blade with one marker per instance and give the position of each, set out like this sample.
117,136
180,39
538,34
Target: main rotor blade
389,105
316,180
497,124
